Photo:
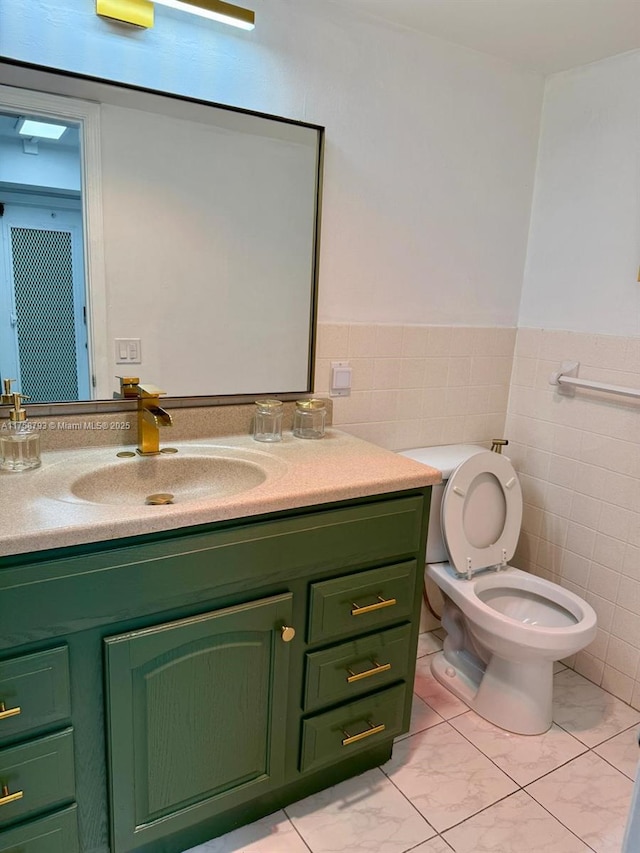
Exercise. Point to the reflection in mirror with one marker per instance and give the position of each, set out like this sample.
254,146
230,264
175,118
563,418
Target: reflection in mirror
42,286
179,246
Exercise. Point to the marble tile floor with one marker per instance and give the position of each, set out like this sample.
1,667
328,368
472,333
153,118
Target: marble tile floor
457,783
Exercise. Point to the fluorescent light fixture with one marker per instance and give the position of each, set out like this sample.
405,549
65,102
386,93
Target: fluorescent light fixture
42,129
215,10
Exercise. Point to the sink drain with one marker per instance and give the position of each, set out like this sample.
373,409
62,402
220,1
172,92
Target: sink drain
160,499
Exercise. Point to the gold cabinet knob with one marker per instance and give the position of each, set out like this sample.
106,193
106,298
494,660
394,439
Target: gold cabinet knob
288,633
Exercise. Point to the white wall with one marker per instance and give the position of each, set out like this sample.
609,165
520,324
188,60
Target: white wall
579,457
430,147
430,152
582,263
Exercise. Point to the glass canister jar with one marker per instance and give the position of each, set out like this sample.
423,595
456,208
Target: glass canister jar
309,418
268,420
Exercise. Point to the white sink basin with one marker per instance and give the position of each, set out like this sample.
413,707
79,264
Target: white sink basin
194,473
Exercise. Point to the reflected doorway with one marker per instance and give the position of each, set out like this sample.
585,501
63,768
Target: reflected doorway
43,311
43,322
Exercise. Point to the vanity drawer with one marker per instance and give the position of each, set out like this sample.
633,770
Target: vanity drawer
42,771
35,692
359,602
57,833
352,728
350,669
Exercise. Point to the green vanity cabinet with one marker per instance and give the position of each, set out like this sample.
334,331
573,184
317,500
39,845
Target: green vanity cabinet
57,833
34,692
196,717
201,678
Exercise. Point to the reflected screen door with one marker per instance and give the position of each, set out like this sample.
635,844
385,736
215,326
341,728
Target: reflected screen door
46,314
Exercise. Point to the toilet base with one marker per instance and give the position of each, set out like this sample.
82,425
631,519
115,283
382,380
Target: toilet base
516,696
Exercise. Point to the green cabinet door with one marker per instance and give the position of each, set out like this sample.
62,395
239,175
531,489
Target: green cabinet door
196,718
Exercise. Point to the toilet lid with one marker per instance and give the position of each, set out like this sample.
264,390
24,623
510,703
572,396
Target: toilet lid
481,512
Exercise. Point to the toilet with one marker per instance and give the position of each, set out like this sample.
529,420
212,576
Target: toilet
505,627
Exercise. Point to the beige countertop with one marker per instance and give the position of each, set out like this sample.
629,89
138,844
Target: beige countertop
42,509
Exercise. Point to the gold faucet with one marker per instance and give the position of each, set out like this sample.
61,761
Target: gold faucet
150,415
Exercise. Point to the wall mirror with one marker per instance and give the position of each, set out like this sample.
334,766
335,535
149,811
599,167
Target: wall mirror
159,237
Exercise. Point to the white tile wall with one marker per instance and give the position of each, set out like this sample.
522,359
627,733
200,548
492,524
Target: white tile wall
419,385
579,463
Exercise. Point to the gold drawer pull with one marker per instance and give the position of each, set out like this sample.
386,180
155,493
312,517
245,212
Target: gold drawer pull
372,730
7,798
11,712
380,603
377,667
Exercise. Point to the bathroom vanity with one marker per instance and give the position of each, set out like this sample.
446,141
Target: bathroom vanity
178,683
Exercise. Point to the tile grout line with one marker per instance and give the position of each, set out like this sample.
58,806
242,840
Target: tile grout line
296,830
586,750
586,844
413,806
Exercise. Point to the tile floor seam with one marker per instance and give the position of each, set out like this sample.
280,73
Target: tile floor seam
519,787
480,811
606,760
531,797
621,732
613,737
609,737
411,803
295,828
559,820
488,757
542,806
563,764
438,836
506,772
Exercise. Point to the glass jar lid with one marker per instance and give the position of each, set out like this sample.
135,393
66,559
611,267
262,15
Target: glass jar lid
269,405
310,405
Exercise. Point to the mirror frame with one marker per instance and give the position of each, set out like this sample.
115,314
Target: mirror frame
116,405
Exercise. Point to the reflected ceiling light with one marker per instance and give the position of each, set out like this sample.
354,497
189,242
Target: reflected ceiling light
42,129
215,10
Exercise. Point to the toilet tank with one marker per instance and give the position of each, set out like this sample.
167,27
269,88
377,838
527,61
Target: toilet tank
446,459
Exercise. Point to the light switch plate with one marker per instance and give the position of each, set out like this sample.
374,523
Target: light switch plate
128,351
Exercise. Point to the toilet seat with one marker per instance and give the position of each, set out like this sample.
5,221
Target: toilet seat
481,513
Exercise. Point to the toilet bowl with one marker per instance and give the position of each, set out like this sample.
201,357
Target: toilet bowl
505,627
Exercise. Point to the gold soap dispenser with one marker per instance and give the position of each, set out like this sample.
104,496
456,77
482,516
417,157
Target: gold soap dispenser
19,443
